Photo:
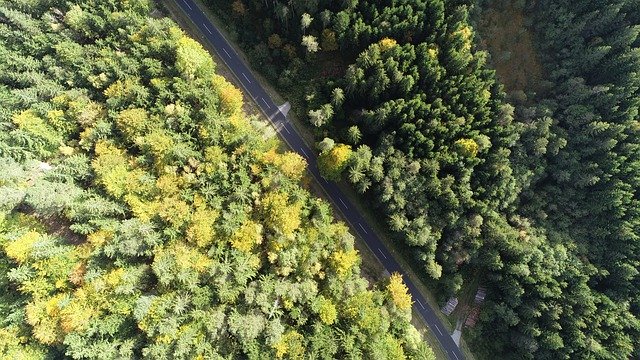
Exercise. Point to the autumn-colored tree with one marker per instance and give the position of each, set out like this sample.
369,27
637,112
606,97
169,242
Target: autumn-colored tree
399,293
333,162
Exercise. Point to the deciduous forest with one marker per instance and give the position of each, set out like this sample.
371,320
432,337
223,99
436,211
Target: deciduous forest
143,214
534,193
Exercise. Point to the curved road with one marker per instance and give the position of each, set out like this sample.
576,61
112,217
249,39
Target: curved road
294,140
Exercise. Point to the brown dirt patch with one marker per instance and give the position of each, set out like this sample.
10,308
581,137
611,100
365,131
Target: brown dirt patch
505,35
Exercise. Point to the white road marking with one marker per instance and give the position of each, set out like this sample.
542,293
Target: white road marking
186,3
438,328
304,153
206,27
288,132
246,78
454,354
363,229
422,306
265,102
385,256
343,204
225,51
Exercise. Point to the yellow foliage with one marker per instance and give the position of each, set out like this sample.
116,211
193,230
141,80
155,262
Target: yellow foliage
399,292
187,257
20,249
465,34
433,52
230,97
110,164
249,235
192,60
30,122
327,312
280,215
43,315
121,88
76,315
169,184
201,230
15,345
332,163
143,210
159,144
215,158
467,147
133,122
174,211
114,277
387,43
290,163
344,261
291,344
66,150
56,119
362,308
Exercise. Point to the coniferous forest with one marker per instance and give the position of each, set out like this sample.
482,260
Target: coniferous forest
145,215
534,194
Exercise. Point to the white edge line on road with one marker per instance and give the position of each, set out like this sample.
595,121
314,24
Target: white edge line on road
363,229
454,354
246,78
385,256
438,328
265,102
422,306
304,153
343,204
225,51
285,127
206,27
186,3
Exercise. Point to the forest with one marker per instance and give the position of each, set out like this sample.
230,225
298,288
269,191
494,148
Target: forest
536,195
144,214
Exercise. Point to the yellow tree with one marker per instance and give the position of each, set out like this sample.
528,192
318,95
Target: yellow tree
467,147
110,164
332,163
248,236
133,122
230,96
192,60
399,293
280,215
344,261
387,43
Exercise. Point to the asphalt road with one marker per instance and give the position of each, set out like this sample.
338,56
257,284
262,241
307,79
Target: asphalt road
294,140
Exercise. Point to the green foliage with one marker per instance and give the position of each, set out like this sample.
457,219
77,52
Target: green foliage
143,215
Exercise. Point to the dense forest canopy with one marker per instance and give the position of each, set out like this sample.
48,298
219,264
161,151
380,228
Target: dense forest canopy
143,214
540,199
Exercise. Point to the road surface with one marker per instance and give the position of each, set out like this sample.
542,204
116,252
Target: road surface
294,140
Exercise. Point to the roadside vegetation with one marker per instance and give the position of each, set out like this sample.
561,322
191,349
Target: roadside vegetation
536,188
144,215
